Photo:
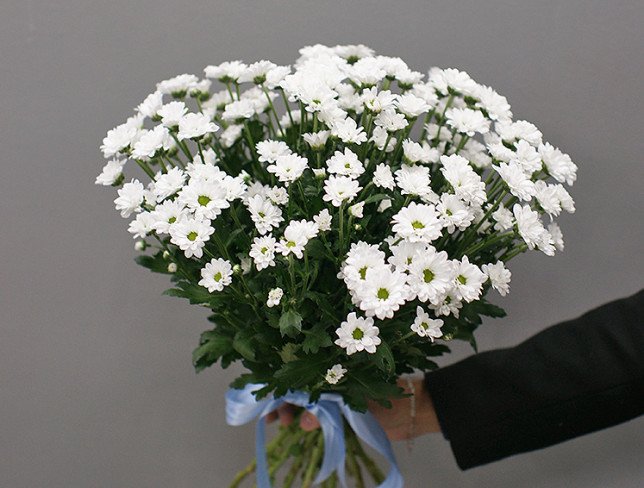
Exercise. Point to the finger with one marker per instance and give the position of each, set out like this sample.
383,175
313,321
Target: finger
286,414
309,422
271,417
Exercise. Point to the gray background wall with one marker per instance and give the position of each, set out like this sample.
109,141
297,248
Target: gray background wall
96,385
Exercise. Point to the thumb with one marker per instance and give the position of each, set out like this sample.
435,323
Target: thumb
309,422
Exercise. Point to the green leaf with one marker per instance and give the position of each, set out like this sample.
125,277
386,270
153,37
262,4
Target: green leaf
384,358
376,198
243,344
316,338
211,347
290,323
289,352
194,293
154,263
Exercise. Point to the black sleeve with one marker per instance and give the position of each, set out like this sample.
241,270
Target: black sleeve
571,379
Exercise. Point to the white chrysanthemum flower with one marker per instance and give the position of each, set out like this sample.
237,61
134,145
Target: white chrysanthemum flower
142,225
361,258
167,213
118,139
463,179
503,218
454,212
357,210
449,304
416,153
414,180
519,184
171,113
391,121
383,292
323,220
548,197
269,150
205,198
172,268
499,277
256,72
521,129
375,101
151,105
296,236
340,189
231,135
417,223
425,326
263,252
531,229
496,106
234,188
366,72
288,168
348,131
450,79
353,52
427,92
317,140
468,281
407,78
358,334
264,214
527,157
150,141
112,172
557,235
411,106
194,126
467,121
274,297
558,164
275,76
380,136
405,253
191,235
238,111
130,198
345,164
383,177
216,275
226,72
168,184
177,86
430,275
334,374
277,195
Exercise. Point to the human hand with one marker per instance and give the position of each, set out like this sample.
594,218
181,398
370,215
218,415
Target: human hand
396,421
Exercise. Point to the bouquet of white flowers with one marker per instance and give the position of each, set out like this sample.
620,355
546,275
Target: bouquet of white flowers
343,219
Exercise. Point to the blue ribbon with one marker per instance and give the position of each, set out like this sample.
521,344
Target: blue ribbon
242,407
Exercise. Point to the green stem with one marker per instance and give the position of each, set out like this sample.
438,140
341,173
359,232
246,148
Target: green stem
314,461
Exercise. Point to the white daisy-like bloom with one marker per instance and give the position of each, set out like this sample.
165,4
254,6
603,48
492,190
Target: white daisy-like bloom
444,80
317,140
411,106
274,297
405,253
499,277
548,197
380,136
269,150
111,173
414,180
231,135
278,195
167,213
347,131
256,72
376,101
357,210
383,292
407,78
449,304
468,281
200,88
340,189
565,200
226,72
263,251
150,141
191,235
234,188
417,223
391,121
467,121
264,214
425,326
463,179
366,72
556,235
430,275
288,168
194,126
334,374
345,164
142,225
205,198
178,85
496,106
320,173
454,212
171,113
130,198
238,111
527,157
296,236
150,106
361,258
275,76
531,228
354,51
416,153
216,275
323,220
558,164
504,219
358,334
427,92
118,138
519,184
168,184
520,129
383,177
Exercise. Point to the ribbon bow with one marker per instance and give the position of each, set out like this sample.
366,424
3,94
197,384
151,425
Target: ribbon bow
242,407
